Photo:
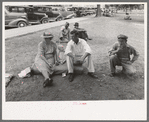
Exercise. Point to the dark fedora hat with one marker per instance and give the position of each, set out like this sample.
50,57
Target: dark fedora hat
47,35
121,36
76,24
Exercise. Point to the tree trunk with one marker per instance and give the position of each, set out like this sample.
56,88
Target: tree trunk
98,12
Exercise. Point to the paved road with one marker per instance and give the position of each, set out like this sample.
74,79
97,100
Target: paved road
31,29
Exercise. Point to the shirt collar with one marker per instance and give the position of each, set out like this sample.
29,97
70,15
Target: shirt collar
126,45
77,43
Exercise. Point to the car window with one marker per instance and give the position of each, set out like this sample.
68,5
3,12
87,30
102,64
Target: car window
13,9
21,9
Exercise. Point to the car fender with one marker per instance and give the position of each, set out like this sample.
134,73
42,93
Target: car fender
44,18
14,22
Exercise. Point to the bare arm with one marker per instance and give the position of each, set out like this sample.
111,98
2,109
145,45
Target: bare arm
70,55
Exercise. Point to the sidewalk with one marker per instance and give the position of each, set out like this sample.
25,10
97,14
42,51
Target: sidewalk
31,29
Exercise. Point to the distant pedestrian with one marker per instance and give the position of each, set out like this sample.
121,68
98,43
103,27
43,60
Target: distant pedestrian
120,56
127,17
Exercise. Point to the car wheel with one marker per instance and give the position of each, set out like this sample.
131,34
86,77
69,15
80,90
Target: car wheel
72,17
21,24
59,19
44,21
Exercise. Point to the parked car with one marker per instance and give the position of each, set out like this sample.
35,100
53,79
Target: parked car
33,17
90,12
13,19
54,13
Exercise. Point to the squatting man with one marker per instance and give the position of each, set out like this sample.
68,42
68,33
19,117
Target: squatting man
120,56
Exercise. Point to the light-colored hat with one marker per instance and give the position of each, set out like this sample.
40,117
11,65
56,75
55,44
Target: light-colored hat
47,35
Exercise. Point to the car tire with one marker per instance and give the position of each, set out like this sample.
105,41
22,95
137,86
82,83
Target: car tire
44,21
59,19
72,17
21,24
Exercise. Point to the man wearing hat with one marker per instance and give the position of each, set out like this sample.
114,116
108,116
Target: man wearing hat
120,56
46,60
77,51
82,32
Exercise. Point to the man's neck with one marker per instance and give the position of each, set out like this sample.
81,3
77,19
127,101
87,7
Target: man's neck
77,40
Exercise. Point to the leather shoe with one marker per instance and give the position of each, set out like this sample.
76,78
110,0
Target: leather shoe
71,77
93,75
112,74
47,82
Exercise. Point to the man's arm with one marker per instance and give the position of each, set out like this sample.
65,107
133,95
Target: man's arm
135,54
87,51
84,56
114,49
70,55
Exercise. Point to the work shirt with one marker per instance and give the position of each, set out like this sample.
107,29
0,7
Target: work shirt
77,49
125,53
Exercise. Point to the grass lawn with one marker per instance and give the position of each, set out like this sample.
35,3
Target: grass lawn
21,51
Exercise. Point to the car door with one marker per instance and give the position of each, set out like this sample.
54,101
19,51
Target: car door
31,15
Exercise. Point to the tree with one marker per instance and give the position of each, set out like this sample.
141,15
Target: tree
98,11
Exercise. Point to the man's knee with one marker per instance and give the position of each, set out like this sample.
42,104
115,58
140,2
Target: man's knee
129,71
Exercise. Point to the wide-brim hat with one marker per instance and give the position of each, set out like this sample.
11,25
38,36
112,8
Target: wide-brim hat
76,24
47,35
121,36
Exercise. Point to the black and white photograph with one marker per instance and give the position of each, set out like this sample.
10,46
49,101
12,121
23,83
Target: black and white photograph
74,55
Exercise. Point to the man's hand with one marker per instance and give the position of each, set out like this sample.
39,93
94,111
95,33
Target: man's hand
57,63
113,52
129,62
81,60
76,60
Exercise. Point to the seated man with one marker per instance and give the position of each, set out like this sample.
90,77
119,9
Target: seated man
120,55
65,33
77,50
82,32
127,17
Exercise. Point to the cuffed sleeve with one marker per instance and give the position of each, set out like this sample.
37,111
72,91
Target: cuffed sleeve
86,47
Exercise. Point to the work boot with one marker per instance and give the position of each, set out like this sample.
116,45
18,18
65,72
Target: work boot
93,75
112,74
71,77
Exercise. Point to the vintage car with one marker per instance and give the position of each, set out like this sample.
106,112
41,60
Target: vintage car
54,13
33,17
13,19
